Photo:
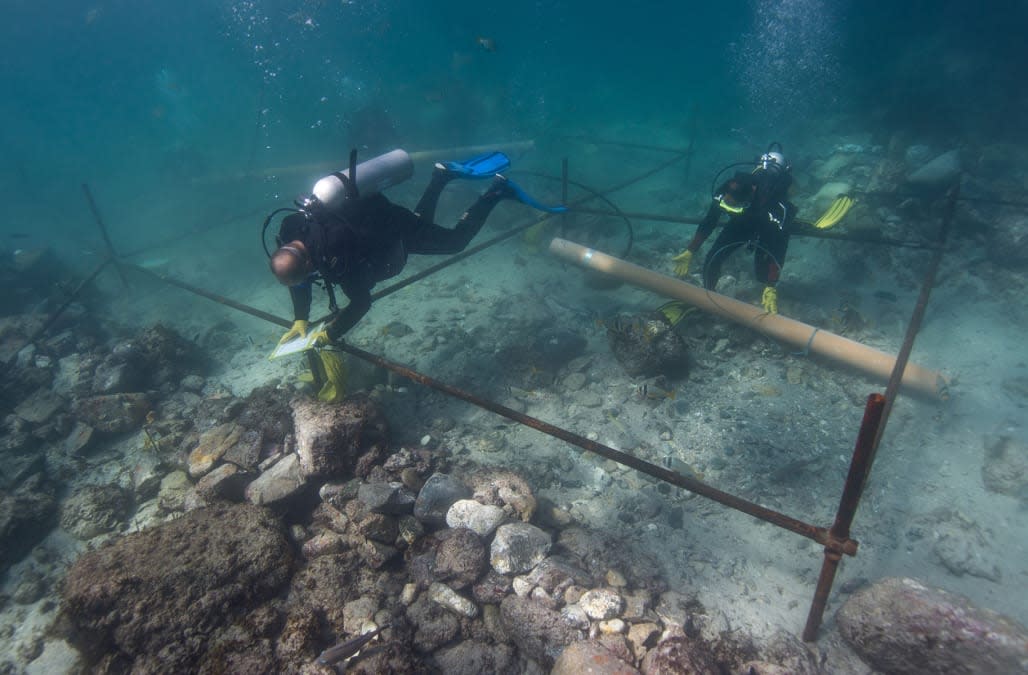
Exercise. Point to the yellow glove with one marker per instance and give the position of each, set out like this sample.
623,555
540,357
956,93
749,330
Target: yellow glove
682,261
770,300
299,329
321,338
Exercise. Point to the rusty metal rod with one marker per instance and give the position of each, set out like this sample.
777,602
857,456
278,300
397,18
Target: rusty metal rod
111,253
624,144
818,534
892,389
220,299
840,529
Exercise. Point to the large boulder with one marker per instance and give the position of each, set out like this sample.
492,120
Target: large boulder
902,626
537,630
331,437
26,516
156,599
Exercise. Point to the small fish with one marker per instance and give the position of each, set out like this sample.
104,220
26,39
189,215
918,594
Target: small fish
345,650
486,43
651,392
886,296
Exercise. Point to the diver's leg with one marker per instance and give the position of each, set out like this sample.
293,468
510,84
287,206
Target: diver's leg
430,199
731,238
434,239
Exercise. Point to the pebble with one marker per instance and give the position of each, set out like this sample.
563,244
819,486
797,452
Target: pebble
616,579
409,594
601,603
522,586
576,616
518,547
612,627
481,519
444,596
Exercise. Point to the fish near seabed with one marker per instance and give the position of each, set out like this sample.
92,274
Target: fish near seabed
486,43
345,650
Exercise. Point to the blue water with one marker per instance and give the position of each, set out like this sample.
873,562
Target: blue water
143,99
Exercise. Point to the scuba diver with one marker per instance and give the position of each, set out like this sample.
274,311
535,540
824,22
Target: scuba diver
347,233
760,215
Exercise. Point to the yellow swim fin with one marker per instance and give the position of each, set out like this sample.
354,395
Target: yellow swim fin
675,311
839,208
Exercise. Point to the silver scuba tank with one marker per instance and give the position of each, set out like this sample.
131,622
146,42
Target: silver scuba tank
373,176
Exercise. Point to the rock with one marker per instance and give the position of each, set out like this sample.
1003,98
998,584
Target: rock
828,193
444,596
278,484
26,516
436,497
113,377
473,657
642,636
481,519
212,445
357,612
680,655
331,437
590,657
388,498
113,414
226,482
378,527
518,547
461,558
940,172
16,468
31,588
492,589
506,489
246,451
647,345
174,488
537,631
39,407
95,510
435,626
601,603
154,600
193,383
555,574
326,543
376,554
902,626
78,440
1005,469
147,472
612,627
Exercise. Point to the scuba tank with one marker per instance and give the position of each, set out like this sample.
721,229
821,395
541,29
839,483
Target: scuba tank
334,191
372,176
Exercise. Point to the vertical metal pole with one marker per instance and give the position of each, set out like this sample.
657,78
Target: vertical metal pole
859,469
103,231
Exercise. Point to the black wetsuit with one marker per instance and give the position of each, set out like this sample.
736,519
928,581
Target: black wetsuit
369,243
765,223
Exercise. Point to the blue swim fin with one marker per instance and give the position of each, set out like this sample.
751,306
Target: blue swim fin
480,166
514,191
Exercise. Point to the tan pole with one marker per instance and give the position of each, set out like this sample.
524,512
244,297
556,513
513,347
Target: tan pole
337,164
803,336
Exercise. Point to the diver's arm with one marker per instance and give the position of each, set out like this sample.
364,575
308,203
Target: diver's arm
301,297
359,303
707,226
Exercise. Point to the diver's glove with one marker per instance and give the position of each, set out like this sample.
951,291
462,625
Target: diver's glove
770,300
682,262
321,338
334,388
299,329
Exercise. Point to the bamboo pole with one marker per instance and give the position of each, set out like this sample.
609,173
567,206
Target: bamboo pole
835,348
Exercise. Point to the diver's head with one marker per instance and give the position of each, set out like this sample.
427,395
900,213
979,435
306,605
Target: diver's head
291,263
773,161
